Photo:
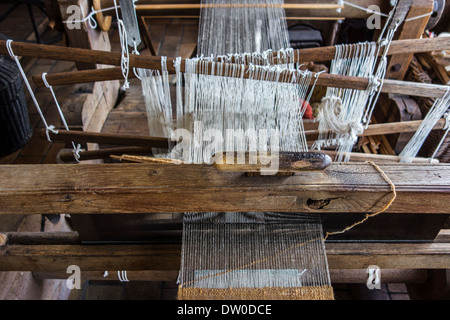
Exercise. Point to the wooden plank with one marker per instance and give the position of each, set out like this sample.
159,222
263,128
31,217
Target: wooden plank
412,29
336,275
378,158
325,80
305,8
166,257
384,128
158,188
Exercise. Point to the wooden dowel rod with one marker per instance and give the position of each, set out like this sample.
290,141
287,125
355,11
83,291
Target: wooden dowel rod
166,257
106,138
149,62
3,239
388,276
197,17
187,6
336,275
43,238
397,47
103,153
326,80
82,76
286,162
114,58
398,127
385,128
148,7
145,275
53,52
380,158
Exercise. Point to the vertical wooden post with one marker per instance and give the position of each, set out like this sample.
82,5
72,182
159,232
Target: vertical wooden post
398,66
104,95
84,36
414,29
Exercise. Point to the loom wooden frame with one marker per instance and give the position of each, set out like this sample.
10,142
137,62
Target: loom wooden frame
51,253
167,188
43,189
114,58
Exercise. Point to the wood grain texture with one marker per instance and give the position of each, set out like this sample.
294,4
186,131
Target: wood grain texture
159,188
285,162
166,257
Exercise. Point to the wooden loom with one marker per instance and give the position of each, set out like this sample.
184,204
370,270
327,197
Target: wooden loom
343,191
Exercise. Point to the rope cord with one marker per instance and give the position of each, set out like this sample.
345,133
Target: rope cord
30,90
76,148
370,215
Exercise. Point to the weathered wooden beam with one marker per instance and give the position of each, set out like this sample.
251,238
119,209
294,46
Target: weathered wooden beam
292,7
104,153
166,257
148,62
168,188
336,275
325,80
410,29
384,128
107,138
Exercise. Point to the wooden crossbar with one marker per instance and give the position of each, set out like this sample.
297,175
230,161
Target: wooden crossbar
166,257
114,58
168,188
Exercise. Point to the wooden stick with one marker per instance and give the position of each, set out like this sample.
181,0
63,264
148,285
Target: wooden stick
326,80
166,257
148,7
336,275
285,162
114,58
106,138
145,159
149,62
287,18
43,238
378,158
385,128
3,239
104,153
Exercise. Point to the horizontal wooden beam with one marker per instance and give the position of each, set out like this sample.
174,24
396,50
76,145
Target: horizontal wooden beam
186,6
168,188
106,138
148,62
166,257
324,80
384,128
336,275
305,7
136,61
